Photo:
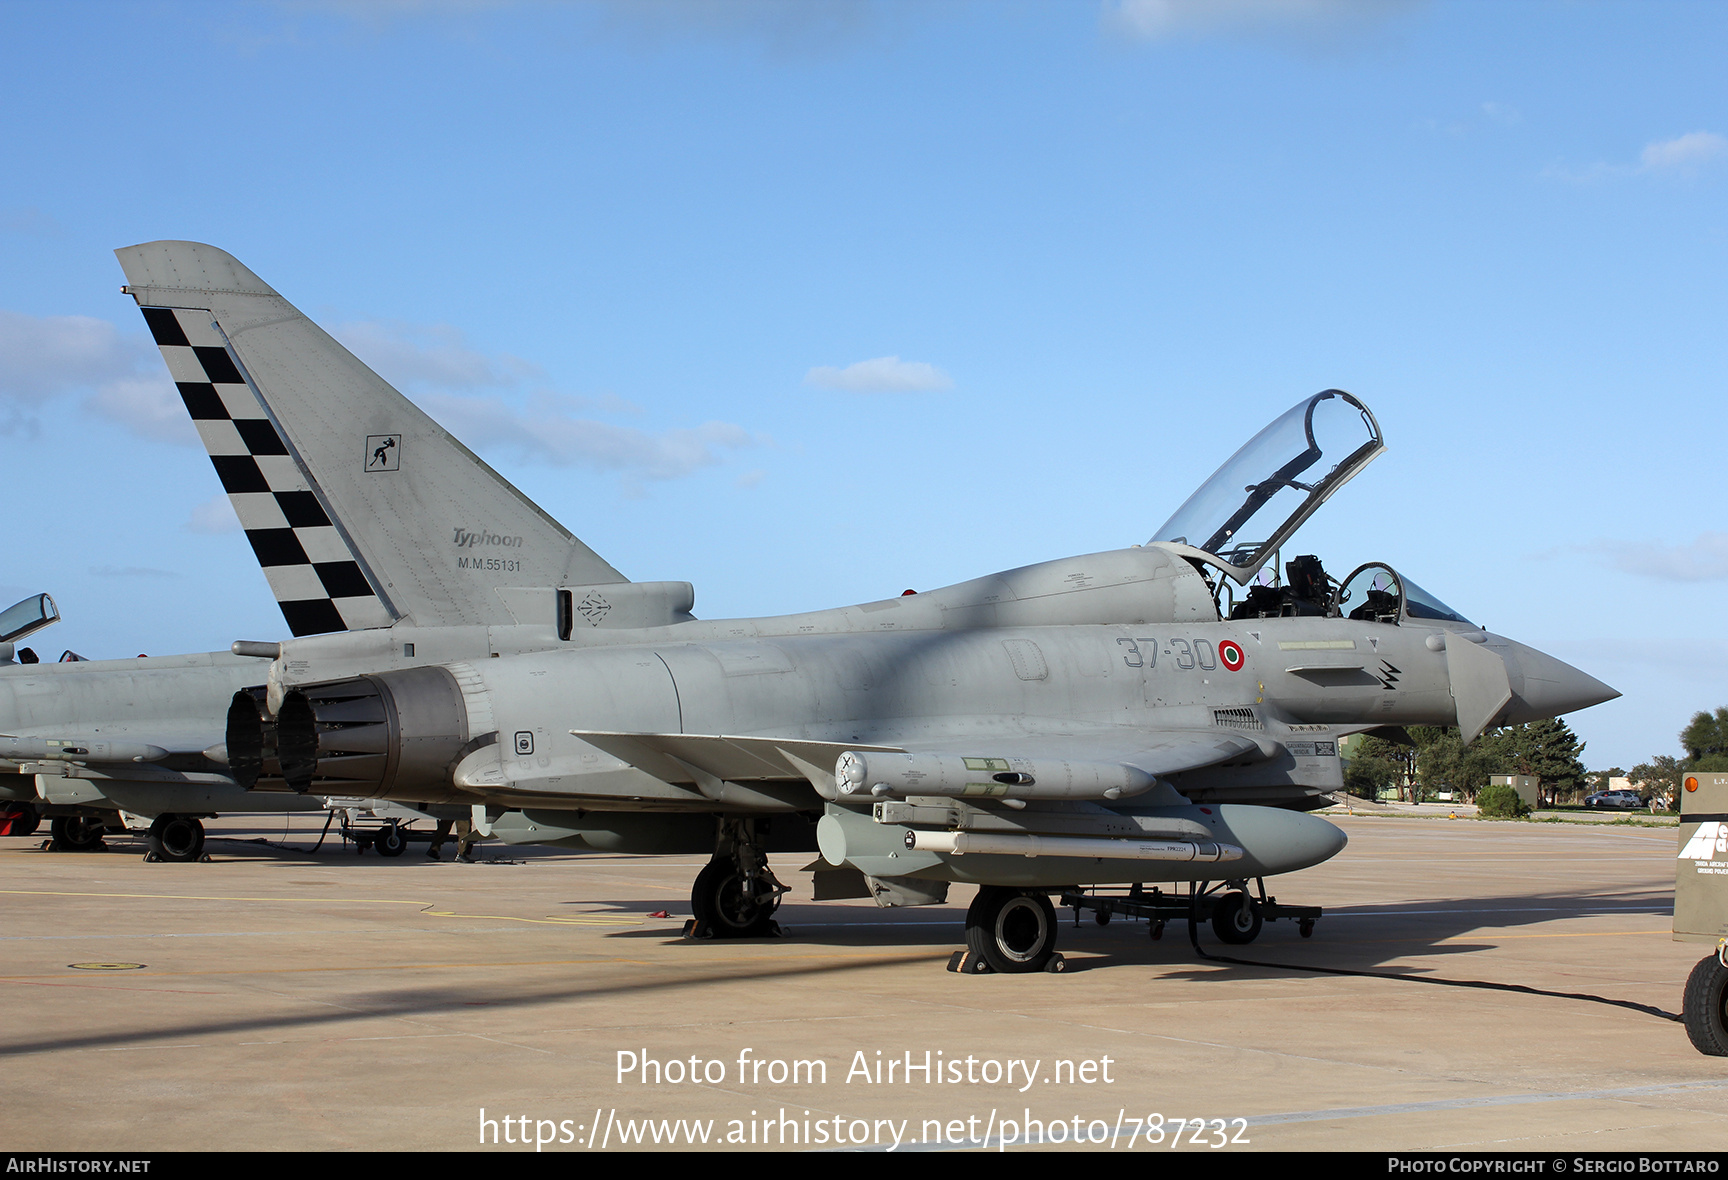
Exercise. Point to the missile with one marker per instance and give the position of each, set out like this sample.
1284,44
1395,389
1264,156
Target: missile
1011,844
858,774
18,749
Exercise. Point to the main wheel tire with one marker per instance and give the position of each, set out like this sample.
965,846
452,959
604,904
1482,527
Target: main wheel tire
178,838
74,833
1231,924
718,902
1013,930
390,841
1706,1007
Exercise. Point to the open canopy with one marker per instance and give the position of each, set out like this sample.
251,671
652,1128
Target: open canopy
1264,492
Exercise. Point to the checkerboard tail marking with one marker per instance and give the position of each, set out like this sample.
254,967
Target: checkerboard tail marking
317,580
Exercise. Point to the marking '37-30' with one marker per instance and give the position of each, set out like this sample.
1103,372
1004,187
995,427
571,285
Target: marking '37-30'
1142,652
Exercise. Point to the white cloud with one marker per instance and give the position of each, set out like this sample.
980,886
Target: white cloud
1684,151
1156,20
1682,155
885,374
543,432
214,516
411,356
148,406
445,376
42,357
1703,560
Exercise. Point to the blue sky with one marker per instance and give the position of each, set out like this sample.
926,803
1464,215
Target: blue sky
811,303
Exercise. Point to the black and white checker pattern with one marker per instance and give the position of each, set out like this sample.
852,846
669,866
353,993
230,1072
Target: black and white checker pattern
317,581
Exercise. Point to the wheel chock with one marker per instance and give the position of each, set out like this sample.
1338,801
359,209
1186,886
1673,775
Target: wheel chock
966,963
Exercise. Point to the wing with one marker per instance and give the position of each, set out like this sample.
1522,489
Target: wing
1110,764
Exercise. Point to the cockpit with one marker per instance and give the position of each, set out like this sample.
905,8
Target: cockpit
1238,521
1373,593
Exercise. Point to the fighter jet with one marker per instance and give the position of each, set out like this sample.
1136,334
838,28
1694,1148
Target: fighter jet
1161,713
95,746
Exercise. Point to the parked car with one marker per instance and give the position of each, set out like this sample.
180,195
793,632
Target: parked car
1623,800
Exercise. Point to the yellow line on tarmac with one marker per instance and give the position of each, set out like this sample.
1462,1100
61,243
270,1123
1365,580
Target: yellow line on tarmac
609,961
1596,934
594,921
1488,935
585,920
201,897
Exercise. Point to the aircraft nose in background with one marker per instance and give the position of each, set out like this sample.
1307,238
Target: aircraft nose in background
1552,687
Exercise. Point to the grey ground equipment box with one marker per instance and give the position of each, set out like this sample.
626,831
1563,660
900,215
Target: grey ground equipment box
1701,906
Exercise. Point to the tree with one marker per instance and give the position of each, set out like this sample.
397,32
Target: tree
1546,749
1445,763
1373,765
1661,776
1705,741
1601,780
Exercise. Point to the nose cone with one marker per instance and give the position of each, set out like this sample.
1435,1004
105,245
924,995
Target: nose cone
1551,687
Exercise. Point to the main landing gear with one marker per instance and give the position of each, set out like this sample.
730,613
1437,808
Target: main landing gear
176,838
735,894
76,833
1012,931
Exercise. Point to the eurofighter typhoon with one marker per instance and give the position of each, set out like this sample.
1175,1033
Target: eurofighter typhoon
1163,713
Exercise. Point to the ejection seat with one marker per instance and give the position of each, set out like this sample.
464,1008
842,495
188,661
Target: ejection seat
1308,592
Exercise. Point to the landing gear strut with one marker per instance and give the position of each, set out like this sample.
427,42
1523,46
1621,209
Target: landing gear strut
735,894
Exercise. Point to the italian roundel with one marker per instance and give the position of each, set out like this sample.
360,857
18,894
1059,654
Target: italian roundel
1231,653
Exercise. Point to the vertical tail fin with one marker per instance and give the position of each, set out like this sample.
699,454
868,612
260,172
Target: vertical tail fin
361,509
